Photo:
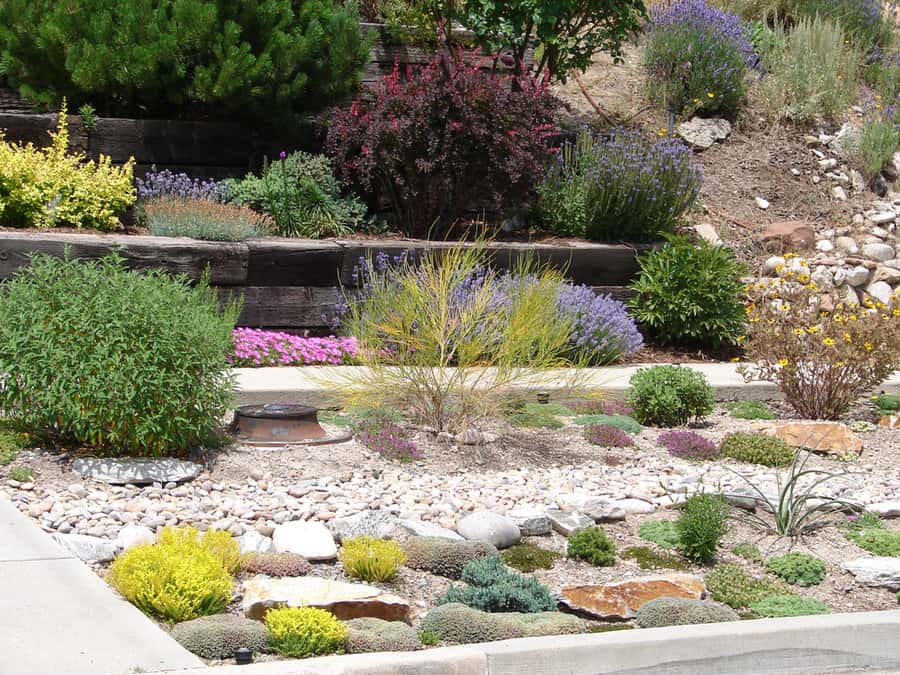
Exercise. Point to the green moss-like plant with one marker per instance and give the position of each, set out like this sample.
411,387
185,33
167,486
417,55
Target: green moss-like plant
535,420
371,559
682,611
758,448
877,541
623,422
780,604
11,443
23,474
592,545
528,557
701,526
492,587
217,636
797,568
368,634
456,623
737,588
663,533
648,559
747,551
750,410
444,557
305,631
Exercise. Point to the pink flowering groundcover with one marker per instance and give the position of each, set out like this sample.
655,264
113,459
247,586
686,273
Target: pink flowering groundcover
254,348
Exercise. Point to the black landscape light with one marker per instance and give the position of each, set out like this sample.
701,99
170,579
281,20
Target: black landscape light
243,656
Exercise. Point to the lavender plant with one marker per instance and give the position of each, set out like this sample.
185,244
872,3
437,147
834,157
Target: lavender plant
620,188
159,184
697,57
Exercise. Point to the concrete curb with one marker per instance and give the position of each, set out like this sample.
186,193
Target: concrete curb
318,385
817,644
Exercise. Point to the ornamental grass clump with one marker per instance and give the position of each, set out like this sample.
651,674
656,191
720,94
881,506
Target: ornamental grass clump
123,363
697,58
206,220
688,445
623,187
823,358
255,348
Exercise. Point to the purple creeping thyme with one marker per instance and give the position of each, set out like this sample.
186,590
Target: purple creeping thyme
156,184
389,440
608,436
688,445
259,348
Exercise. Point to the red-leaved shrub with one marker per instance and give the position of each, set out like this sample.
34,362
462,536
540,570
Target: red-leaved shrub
445,139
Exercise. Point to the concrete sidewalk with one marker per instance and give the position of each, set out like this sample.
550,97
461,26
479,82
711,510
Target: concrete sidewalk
57,617
316,385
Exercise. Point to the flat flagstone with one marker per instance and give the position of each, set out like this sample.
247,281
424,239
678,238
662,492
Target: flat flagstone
136,471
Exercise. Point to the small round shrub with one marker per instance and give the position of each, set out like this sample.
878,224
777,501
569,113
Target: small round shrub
701,526
216,637
757,448
750,410
458,624
877,541
276,564
623,422
778,605
305,631
368,634
218,542
682,611
663,533
444,557
670,396
528,557
125,363
174,581
737,588
648,559
607,436
492,587
747,551
797,568
688,445
592,545
371,559
690,294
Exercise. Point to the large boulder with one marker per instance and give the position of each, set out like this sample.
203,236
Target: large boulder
444,557
218,636
879,571
460,624
621,600
310,539
344,600
833,438
372,523
136,471
376,635
491,527
788,235
87,548
682,611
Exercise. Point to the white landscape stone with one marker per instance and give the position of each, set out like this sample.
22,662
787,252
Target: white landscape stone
420,528
310,539
87,548
635,506
252,541
878,571
134,535
136,471
491,527
566,522
702,132
879,252
372,523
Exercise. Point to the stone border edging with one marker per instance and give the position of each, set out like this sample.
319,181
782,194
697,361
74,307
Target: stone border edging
811,644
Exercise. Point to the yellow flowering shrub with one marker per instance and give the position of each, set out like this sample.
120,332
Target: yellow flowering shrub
217,542
175,579
305,631
822,356
52,187
371,559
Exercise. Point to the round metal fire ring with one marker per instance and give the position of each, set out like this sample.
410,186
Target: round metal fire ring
281,424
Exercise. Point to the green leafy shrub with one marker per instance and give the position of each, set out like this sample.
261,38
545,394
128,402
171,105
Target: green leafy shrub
663,533
458,624
797,568
624,188
444,557
53,187
528,557
371,559
368,634
217,636
747,551
878,143
121,362
203,219
176,579
689,293
623,422
302,196
492,587
648,559
886,403
778,605
661,612
276,564
737,588
758,448
670,396
305,631
592,545
714,45
814,76
750,410
701,526
264,60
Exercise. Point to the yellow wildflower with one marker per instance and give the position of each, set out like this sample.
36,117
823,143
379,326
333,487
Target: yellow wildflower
868,346
788,256
812,330
852,317
799,331
710,94
847,338
828,342
839,364
782,362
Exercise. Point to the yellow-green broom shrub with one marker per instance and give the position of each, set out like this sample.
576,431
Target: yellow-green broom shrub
371,559
305,631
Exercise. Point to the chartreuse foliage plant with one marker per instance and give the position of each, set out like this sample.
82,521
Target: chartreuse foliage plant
261,59
736,587
757,448
663,533
53,187
669,396
435,339
822,358
783,604
371,559
97,355
299,632
689,293
180,577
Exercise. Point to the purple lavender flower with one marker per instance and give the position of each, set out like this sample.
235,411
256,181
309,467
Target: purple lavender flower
688,445
156,184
